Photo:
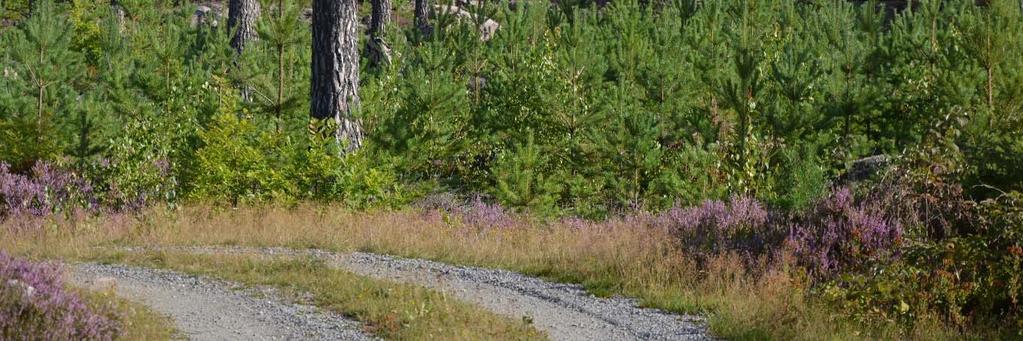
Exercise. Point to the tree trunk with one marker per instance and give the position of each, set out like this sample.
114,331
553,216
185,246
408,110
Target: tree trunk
421,16
376,48
380,17
241,20
335,68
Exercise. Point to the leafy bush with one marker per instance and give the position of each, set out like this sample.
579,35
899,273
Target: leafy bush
239,164
34,304
966,280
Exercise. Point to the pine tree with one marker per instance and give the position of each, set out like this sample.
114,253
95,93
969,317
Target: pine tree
242,18
380,18
43,69
283,32
522,181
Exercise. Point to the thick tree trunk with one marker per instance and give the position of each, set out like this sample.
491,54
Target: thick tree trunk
421,17
335,67
241,20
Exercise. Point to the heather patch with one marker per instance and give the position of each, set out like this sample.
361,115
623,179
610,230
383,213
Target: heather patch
843,233
741,225
45,190
36,304
475,212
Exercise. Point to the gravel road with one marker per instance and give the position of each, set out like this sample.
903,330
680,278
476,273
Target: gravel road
206,309
564,311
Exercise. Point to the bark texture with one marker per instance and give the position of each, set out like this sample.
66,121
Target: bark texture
376,48
422,17
241,19
380,17
335,69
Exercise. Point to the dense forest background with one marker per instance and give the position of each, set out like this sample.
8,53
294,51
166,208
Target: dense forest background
567,109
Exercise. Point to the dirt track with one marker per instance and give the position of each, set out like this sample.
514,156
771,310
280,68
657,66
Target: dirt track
565,312
206,309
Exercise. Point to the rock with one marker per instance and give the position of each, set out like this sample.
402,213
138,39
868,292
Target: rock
441,10
487,28
204,15
866,167
26,289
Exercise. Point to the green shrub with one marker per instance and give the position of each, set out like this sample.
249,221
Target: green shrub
240,164
523,180
967,280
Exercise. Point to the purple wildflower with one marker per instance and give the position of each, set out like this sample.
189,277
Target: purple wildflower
45,191
481,214
476,212
841,233
715,227
34,304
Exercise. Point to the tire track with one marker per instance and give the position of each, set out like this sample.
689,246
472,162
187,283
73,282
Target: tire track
564,311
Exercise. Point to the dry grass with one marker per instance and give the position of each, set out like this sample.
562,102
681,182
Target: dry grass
609,258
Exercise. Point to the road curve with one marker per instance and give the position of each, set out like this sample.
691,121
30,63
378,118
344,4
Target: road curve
563,311
207,309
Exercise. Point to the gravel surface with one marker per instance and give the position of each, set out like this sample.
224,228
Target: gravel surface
206,309
564,311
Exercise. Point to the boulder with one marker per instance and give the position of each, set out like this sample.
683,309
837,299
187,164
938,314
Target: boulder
205,15
487,28
864,168
23,287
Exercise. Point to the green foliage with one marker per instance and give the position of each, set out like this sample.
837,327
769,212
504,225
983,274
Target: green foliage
632,106
239,164
40,70
968,280
568,109
803,181
523,182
